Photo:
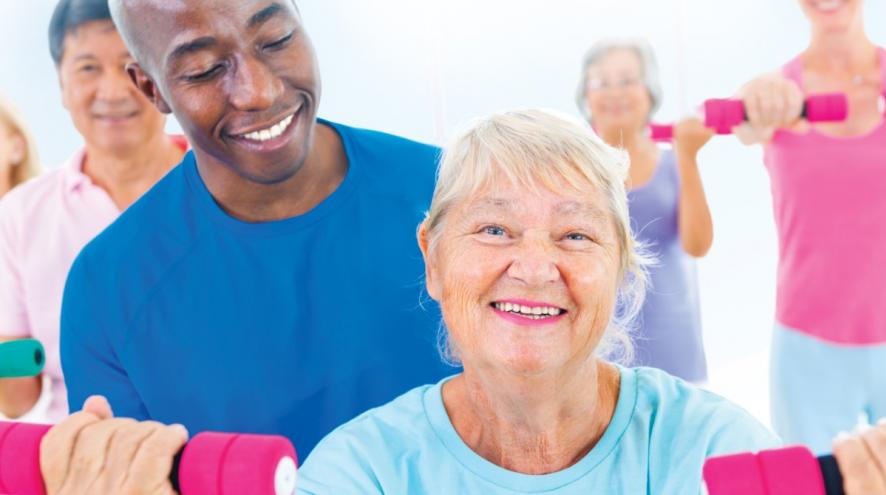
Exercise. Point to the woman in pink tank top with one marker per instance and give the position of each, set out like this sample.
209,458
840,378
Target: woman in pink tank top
829,198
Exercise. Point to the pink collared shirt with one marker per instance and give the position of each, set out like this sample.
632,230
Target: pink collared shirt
44,223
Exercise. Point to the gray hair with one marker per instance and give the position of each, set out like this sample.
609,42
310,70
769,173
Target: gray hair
539,148
647,59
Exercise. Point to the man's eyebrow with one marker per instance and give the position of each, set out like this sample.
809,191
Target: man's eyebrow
191,47
264,14
84,56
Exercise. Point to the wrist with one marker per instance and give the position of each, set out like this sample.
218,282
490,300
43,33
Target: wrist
687,158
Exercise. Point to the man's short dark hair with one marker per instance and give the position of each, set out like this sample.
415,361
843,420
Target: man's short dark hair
70,15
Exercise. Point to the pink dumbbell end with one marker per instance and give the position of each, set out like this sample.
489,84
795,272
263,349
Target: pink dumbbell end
224,464
736,474
826,107
211,463
661,132
20,458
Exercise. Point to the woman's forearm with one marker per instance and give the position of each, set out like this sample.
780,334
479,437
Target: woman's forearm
694,216
18,395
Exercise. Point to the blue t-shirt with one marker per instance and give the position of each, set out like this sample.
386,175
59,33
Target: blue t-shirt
181,313
662,431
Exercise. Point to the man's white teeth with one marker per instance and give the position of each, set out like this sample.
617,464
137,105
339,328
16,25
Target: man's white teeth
536,312
271,132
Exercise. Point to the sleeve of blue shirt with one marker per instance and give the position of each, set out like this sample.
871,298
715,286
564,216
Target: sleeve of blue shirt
89,360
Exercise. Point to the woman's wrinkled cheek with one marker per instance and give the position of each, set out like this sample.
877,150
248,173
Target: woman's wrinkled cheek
467,279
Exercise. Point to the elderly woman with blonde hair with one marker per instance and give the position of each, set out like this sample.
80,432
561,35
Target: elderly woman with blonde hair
530,255
18,153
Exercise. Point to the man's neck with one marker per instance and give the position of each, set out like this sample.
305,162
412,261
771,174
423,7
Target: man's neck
322,172
127,175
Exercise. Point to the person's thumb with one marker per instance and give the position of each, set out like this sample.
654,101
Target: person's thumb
99,406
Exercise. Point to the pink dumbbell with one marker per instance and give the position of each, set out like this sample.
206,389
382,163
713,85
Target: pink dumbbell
787,471
661,132
210,464
724,114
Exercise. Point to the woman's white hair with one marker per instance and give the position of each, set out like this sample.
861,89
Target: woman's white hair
539,148
646,55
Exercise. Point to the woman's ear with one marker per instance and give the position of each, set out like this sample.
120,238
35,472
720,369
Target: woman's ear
431,276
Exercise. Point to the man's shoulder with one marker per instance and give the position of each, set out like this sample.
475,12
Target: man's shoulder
155,229
388,150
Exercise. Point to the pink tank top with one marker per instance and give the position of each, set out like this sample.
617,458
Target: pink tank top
829,199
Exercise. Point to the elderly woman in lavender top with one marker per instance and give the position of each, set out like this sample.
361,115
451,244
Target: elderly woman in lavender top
619,92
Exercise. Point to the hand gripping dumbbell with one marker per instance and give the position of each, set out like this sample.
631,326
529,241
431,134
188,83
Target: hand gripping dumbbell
210,463
723,115
21,358
787,471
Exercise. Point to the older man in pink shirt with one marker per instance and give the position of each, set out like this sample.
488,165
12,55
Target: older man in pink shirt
46,222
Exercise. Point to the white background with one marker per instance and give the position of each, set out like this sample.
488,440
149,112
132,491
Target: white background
420,67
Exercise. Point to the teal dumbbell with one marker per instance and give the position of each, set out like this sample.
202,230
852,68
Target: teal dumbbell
20,358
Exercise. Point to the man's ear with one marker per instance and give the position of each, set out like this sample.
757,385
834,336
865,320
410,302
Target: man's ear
431,276
146,85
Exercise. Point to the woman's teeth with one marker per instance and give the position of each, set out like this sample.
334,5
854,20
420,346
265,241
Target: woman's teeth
271,132
828,5
534,313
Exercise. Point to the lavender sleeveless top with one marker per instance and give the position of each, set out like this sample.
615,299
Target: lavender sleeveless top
669,328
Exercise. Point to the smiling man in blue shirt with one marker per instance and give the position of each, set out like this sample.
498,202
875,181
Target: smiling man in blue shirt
271,283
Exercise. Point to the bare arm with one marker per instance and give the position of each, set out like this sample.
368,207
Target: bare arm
694,216
18,395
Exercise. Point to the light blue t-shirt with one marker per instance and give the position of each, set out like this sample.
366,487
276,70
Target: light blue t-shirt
662,431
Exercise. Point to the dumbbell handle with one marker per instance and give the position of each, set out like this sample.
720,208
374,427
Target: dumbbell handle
833,480
724,114
786,471
209,464
21,358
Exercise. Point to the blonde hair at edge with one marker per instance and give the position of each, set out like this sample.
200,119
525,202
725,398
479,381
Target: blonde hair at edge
541,147
11,121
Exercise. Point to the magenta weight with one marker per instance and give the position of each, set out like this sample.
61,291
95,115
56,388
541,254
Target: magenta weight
661,132
786,471
828,107
20,458
224,464
736,474
211,463
724,114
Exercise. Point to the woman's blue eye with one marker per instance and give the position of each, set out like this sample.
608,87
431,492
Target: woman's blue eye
494,230
575,236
